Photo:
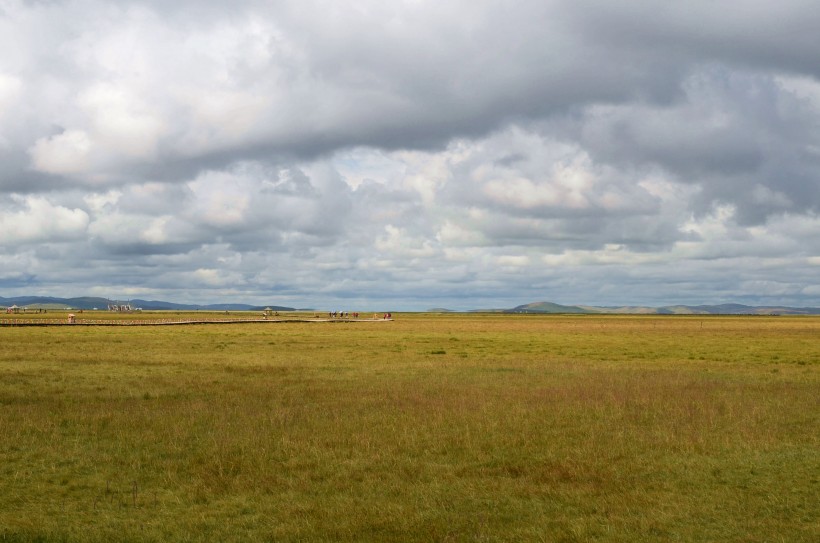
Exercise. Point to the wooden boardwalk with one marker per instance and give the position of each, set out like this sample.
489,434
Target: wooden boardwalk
174,322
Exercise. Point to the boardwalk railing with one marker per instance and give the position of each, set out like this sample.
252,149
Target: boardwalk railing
165,322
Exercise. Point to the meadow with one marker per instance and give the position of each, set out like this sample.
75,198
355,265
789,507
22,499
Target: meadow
434,427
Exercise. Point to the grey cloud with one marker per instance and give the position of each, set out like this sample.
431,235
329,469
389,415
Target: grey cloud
738,136
535,148
392,77
17,176
325,83
781,37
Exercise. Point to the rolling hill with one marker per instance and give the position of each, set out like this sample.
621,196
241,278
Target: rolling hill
45,302
720,309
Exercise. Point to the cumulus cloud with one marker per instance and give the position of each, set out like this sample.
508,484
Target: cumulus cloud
37,220
421,153
66,153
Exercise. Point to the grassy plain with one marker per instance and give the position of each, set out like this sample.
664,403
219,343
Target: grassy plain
429,428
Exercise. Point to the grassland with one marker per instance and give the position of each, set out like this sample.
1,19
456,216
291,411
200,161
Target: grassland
429,428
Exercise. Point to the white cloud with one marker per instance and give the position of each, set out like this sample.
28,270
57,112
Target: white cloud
398,245
122,122
98,202
38,220
10,90
452,234
513,261
219,199
610,255
156,231
215,278
68,153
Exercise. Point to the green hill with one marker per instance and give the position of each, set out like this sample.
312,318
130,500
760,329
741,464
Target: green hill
547,307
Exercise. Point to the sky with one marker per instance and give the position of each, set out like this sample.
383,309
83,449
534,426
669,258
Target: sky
405,155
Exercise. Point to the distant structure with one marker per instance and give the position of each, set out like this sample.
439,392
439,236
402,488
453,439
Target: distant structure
120,307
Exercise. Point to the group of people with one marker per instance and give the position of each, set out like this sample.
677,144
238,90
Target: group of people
355,315
15,309
342,315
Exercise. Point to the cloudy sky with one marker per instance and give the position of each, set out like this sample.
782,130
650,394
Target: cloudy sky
411,154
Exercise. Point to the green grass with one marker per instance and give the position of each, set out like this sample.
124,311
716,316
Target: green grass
430,428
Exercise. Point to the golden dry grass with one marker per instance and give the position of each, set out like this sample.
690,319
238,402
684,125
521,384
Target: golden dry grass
430,428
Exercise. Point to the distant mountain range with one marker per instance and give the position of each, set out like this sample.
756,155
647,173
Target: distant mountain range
722,309
44,302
